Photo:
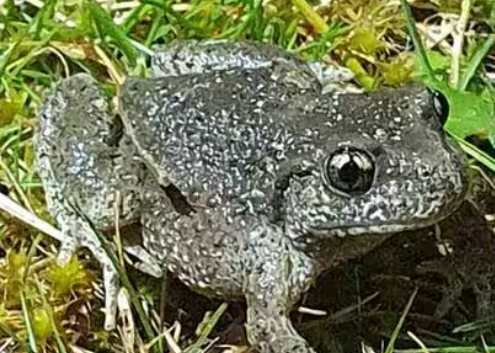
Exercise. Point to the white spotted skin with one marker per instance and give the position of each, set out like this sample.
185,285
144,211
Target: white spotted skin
76,157
236,201
245,146
87,170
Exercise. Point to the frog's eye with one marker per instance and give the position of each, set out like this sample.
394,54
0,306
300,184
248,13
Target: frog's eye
350,171
441,106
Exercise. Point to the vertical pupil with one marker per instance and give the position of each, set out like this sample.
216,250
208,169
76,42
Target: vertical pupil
350,170
349,173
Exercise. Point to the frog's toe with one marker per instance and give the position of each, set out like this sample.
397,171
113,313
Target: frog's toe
67,249
457,280
149,269
148,264
285,345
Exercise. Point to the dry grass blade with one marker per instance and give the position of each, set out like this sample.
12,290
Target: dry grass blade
19,212
457,47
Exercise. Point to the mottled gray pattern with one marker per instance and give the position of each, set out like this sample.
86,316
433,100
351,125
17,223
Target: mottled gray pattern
183,57
230,136
237,199
85,163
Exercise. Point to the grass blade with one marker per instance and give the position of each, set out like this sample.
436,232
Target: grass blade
418,46
29,327
311,16
475,62
395,334
106,25
46,306
477,154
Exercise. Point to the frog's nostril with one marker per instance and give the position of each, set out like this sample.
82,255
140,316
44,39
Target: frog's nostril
83,89
133,87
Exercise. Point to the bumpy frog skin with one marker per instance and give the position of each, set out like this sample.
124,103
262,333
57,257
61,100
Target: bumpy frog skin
255,180
88,168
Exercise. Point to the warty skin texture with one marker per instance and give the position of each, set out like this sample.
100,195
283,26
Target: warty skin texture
246,150
237,199
88,169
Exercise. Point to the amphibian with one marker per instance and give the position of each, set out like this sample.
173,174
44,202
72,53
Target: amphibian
250,181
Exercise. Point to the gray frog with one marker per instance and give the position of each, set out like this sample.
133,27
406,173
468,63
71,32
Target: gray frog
254,181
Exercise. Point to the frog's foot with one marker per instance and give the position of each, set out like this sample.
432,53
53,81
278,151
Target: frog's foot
284,345
275,334
291,345
110,278
148,264
110,274
451,291
140,258
111,289
67,250
79,234
333,78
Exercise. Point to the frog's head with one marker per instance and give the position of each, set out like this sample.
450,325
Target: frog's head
381,164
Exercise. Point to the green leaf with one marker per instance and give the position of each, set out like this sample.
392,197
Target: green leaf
470,113
475,62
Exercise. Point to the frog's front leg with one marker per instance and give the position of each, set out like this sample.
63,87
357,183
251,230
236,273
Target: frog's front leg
272,287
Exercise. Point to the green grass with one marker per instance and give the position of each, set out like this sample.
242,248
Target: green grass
43,309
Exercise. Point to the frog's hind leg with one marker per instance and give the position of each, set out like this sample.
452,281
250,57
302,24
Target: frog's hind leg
79,233
82,165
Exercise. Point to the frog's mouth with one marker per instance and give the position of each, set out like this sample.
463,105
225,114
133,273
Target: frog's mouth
362,228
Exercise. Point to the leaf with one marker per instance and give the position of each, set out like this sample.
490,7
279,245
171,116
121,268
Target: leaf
470,113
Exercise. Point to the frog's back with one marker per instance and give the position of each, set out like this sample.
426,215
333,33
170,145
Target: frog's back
221,134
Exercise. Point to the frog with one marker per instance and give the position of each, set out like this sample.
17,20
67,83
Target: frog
267,181
252,180
88,167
